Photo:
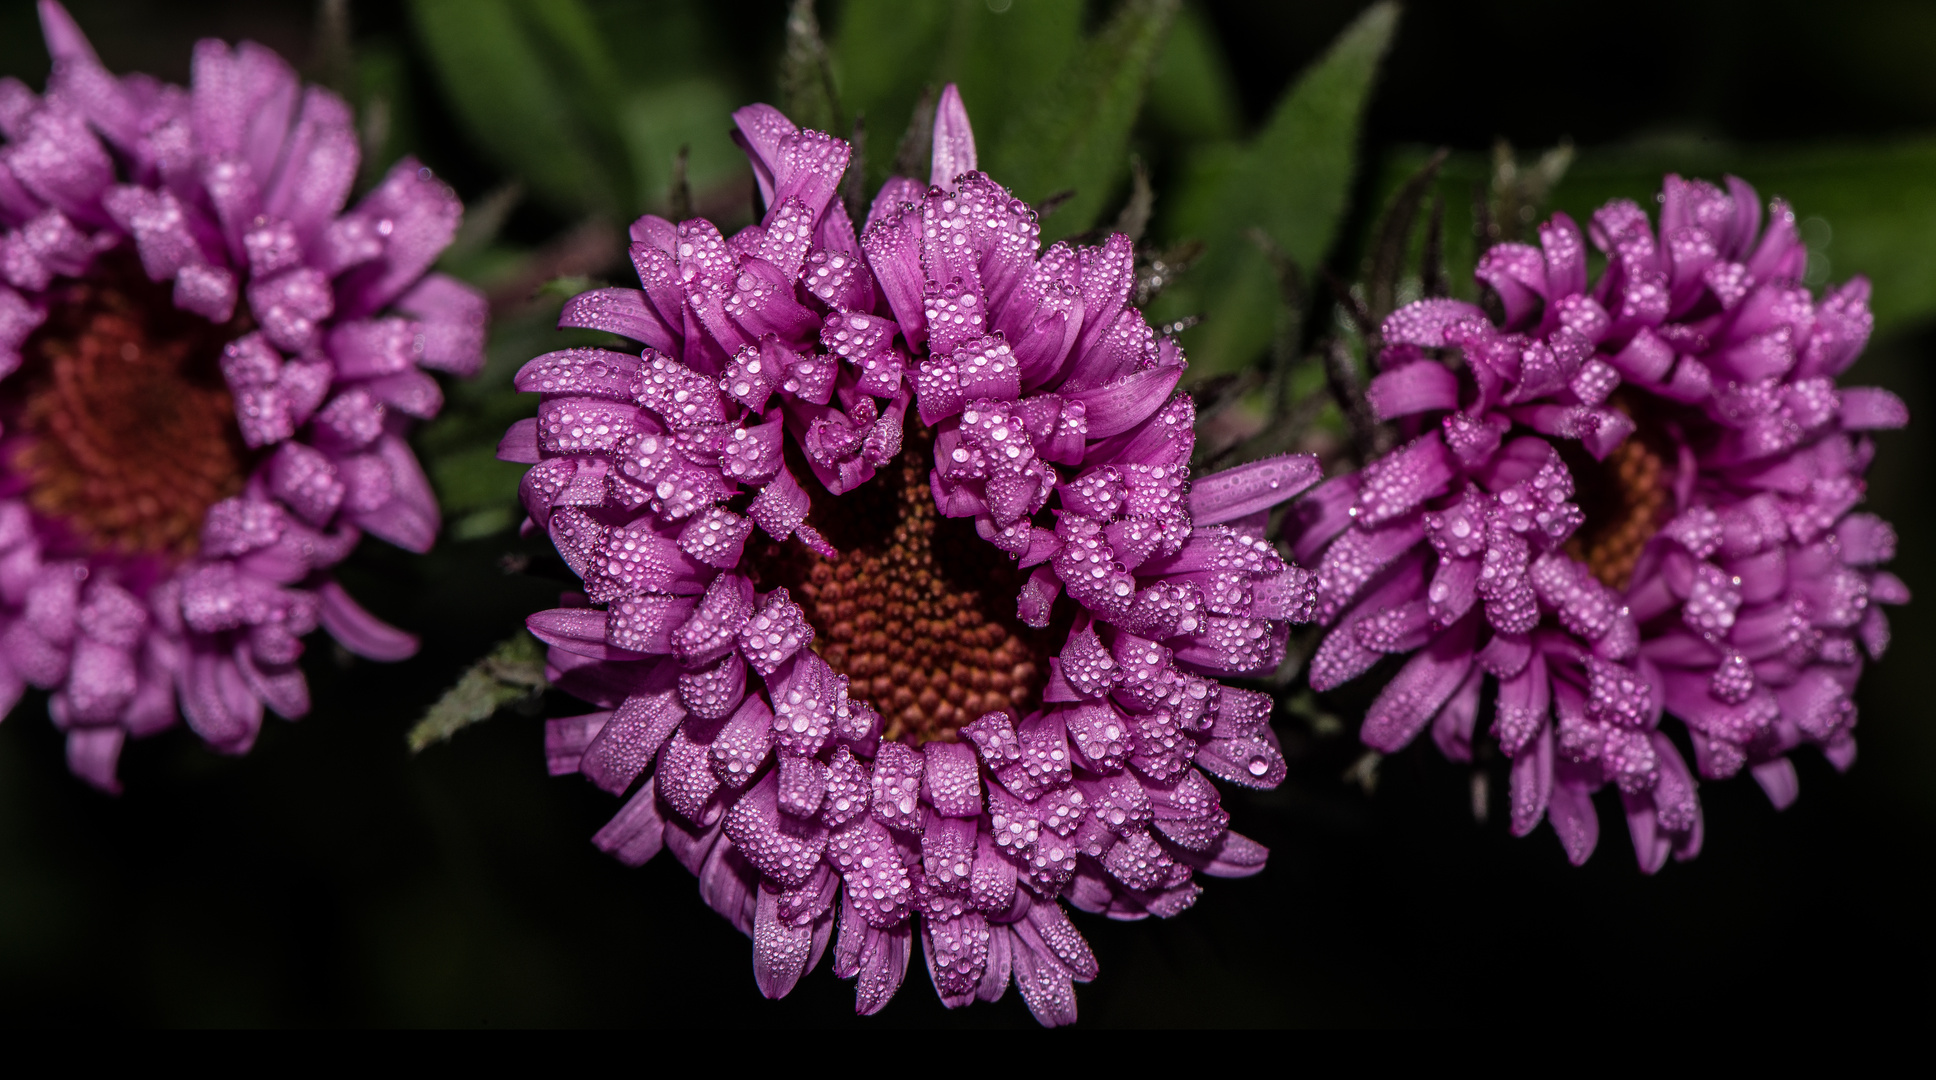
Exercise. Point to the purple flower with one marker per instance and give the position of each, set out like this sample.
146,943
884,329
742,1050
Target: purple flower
1632,499
208,369
828,637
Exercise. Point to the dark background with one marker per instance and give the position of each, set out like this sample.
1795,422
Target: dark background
329,878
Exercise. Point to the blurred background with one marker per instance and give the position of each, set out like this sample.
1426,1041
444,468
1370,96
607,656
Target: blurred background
332,878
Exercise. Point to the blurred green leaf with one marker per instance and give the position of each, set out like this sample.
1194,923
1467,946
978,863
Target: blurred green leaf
886,51
484,219
656,121
564,288
1191,96
537,86
385,114
664,39
883,51
1300,166
1291,181
576,50
477,491
514,671
1076,135
524,76
1005,62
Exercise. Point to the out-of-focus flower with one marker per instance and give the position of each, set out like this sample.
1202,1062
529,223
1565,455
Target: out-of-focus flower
929,740
208,369
1631,499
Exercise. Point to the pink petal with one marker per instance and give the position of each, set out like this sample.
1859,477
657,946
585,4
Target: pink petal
780,948
628,741
359,631
1868,408
1413,388
1419,689
636,832
1246,489
92,753
954,140
1779,780
1573,818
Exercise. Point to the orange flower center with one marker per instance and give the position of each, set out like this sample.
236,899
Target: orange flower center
127,432
918,612
1626,499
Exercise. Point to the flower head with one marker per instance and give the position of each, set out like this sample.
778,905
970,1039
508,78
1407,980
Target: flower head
206,370
1629,500
896,584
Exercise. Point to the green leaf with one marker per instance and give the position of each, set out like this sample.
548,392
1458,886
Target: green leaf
1076,136
567,31
656,121
883,52
1005,62
523,76
1191,96
573,45
1300,166
886,51
514,671
474,479
564,288
1292,181
484,219
385,112
662,40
